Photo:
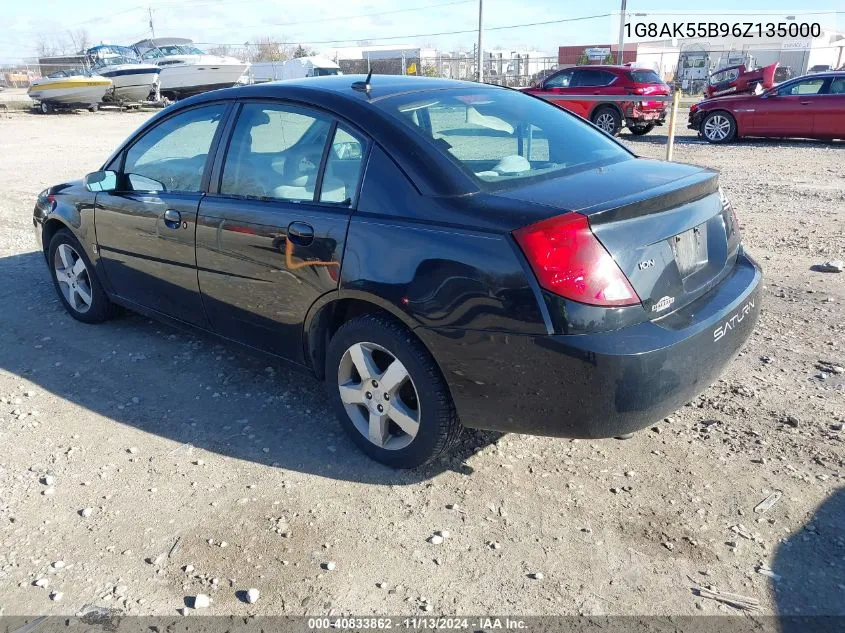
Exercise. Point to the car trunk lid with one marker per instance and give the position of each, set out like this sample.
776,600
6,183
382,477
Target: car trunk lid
666,225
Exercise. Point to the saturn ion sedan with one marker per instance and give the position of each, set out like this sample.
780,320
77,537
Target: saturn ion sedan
442,254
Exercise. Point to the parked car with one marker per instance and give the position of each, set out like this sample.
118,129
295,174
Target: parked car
412,242
812,106
609,116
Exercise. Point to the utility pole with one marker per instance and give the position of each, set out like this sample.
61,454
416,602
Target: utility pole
621,51
152,28
480,50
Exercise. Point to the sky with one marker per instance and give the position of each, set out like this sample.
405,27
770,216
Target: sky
323,24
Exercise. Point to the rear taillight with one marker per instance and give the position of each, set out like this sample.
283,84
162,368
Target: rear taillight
569,261
728,212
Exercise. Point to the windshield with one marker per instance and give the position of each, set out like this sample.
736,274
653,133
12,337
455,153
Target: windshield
325,72
167,51
115,61
724,75
503,137
646,77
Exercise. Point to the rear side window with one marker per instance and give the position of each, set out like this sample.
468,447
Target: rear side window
343,167
502,137
646,77
171,156
593,78
275,152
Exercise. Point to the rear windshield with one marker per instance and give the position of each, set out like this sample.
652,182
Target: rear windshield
502,137
646,77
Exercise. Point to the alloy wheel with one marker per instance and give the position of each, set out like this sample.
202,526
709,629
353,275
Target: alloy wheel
379,396
717,128
606,122
73,277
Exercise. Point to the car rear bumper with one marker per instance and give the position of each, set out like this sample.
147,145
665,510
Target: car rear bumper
637,115
598,385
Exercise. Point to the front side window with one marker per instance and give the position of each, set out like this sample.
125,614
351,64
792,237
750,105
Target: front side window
807,87
560,81
172,156
275,152
837,86
503,137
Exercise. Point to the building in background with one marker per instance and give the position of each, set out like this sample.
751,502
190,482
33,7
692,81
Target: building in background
595,54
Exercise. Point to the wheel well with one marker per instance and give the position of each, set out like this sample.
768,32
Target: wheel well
709,112
327,321
47,233
725,112
612,106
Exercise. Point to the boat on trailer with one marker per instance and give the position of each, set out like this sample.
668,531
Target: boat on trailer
186,70
69,89
132,80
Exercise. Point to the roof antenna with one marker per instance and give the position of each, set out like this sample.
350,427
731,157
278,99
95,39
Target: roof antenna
363,85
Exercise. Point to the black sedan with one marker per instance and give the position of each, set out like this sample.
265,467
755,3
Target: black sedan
443,254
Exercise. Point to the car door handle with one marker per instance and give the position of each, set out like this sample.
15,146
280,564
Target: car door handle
172,219
806,102
300,233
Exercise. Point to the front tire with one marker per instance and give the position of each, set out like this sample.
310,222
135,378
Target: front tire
45,107
718,127
75,281
608,120
388,393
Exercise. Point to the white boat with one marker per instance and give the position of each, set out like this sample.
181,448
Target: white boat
186,70
69,89
132,80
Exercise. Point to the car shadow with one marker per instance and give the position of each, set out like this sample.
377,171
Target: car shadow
808,571
191,388
662,138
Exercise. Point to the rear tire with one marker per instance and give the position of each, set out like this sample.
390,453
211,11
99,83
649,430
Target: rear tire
75,280
607,119
718,127
406,407
640,130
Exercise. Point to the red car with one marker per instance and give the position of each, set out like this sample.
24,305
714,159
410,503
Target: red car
610,116
812,106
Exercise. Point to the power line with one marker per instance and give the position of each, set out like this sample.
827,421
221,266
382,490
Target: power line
419,35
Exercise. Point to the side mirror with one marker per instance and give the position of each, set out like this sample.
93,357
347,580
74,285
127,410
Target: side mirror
101,181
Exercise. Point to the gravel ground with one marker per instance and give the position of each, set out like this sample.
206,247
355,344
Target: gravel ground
143,465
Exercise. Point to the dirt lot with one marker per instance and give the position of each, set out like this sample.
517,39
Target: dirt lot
180,466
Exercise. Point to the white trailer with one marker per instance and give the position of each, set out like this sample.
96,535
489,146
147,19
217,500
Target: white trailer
315,66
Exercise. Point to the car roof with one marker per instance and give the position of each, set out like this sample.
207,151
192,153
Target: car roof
341,86
821,75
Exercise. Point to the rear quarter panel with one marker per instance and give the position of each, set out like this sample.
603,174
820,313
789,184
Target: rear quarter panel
419,257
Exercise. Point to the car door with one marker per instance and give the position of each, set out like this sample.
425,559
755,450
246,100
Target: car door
271,232
595,82
561,84
145,228
789,110
829,117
